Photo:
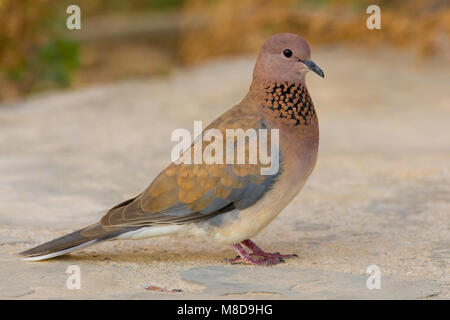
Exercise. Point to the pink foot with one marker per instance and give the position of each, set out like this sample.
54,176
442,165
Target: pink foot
267,258
257,251
245,257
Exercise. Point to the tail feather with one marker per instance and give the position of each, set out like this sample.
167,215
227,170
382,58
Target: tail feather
71,242
49,255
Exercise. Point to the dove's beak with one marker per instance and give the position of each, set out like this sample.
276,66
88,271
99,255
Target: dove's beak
314,67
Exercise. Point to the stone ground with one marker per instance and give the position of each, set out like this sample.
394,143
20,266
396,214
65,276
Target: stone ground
380,193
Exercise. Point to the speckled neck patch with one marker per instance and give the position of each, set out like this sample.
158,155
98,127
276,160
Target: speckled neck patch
289,101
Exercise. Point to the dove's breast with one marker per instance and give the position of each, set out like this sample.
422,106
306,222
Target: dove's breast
298,148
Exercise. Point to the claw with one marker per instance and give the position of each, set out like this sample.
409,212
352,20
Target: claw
257,251
266,258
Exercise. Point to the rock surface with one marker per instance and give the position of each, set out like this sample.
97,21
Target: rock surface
380,194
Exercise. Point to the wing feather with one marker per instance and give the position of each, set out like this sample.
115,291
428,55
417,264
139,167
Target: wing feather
185,193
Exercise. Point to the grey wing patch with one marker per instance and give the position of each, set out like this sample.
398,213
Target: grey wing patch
178,210
244,197
253,192
215,204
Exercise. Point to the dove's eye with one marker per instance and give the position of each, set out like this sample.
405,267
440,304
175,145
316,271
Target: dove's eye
287,53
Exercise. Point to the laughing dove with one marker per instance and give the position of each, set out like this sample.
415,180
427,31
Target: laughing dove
226,201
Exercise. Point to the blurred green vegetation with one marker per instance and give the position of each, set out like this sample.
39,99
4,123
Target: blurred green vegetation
55,61
26,45
37,52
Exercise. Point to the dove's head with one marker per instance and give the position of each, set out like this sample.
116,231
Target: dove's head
284,57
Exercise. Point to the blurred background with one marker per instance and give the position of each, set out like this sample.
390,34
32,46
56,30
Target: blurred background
86,118
141,38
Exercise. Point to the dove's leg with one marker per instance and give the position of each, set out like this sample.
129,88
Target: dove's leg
245,257
257,251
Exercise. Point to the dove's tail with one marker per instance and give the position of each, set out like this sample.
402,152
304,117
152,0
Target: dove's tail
71,242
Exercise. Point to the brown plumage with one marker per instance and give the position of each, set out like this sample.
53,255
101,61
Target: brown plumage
228,202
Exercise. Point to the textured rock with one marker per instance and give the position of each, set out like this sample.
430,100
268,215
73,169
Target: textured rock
226,281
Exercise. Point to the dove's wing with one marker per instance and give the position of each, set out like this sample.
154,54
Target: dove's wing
185,193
